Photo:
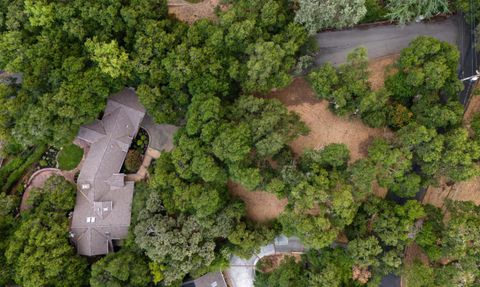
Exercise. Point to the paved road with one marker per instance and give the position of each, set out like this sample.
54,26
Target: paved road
384,40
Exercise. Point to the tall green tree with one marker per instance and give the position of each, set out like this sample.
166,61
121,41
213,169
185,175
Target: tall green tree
39,251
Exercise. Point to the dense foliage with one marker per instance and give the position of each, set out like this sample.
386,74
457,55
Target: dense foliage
39,251
72,55
208,78
317,14
451,245
408,10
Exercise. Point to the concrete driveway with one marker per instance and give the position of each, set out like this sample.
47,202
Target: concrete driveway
384,40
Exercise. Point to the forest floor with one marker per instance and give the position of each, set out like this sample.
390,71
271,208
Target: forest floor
261,206
190,12
380,68
269,263
461,191
325,128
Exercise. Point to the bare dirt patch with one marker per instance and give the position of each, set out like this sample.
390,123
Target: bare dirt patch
191,12
325,127
269,263
414,252
460,191
380,68
473,108
261,206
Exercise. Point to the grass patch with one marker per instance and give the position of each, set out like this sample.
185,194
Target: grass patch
69,157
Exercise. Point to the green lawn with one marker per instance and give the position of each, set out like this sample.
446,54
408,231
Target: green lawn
69,157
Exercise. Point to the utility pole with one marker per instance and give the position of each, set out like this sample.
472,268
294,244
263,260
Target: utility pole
472,78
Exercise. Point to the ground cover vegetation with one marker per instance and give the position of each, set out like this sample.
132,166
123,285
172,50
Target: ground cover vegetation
207,78
69,157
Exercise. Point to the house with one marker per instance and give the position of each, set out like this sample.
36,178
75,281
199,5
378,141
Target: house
213,279
104,198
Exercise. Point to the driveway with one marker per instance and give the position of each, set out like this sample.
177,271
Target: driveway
385,39
242,271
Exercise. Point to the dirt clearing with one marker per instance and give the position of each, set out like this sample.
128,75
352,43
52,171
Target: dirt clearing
261,206
269,263
325,127
191,12
461,191
380,68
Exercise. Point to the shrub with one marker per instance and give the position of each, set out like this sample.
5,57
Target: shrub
69,157
20,171
133,161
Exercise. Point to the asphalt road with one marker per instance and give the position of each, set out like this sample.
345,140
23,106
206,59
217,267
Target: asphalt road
384,40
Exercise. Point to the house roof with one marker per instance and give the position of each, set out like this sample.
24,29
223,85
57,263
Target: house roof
104,198
213,279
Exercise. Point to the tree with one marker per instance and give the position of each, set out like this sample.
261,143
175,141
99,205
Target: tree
289,273
265,69
39,251
123,268
393,165
181,243
426,67
316,15
194,197
405,11
249,237
347,88
329,267
418,275
111,59
364,251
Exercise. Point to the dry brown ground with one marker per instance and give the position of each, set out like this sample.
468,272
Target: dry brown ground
413,252
473,107
325,128
461,191
261,206
270,263
191,12
380,68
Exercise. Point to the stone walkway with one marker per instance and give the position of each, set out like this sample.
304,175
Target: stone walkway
242,271
160,138
142,172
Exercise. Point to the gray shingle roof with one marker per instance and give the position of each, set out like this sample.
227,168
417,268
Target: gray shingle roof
213,279
103,205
